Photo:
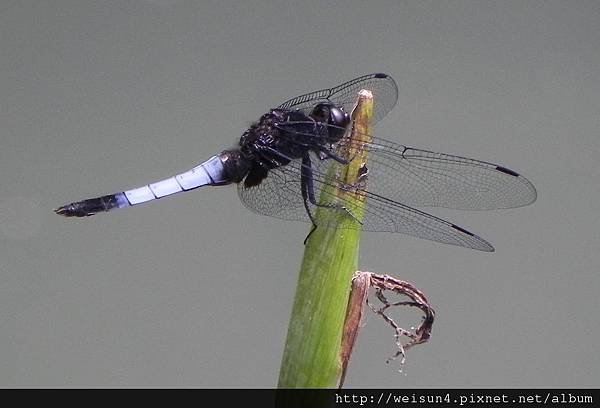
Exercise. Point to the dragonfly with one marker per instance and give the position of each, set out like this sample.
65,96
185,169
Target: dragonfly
281,162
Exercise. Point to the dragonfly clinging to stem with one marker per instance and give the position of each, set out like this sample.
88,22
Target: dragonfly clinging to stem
280,166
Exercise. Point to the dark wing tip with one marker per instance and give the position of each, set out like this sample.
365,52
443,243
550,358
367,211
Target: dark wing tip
475,242
456,227
507,171
532,192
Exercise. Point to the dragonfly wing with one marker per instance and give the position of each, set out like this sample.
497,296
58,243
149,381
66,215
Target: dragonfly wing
279,195
383,87
423,178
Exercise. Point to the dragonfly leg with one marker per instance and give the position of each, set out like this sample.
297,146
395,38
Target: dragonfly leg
325,153
308,191
305,196
306,184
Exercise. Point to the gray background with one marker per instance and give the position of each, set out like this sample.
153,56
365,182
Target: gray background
97,97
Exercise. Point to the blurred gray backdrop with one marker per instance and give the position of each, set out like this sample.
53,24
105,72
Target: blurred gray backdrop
97,97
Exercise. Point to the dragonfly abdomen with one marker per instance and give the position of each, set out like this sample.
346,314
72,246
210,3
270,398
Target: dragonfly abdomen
208,173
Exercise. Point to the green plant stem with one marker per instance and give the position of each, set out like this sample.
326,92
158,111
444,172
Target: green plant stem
311,356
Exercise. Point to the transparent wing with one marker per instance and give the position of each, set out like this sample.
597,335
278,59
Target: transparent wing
279,195
422,178
383,86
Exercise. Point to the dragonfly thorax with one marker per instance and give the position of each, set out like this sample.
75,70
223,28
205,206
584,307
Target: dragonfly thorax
278,137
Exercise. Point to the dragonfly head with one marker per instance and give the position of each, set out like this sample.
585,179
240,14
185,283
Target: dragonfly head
334,116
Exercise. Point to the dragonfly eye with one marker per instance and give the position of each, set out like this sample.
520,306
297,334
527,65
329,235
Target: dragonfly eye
334,116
